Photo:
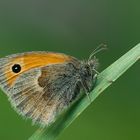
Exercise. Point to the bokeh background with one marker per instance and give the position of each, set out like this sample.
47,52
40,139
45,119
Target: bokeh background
77,27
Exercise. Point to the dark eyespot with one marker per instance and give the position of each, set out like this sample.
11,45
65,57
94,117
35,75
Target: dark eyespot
16,68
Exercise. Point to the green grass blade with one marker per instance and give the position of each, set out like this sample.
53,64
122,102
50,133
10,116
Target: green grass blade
111,73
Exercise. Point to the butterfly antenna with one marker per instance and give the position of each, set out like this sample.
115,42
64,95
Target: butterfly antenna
98,49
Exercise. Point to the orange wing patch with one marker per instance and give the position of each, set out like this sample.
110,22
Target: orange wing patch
33,60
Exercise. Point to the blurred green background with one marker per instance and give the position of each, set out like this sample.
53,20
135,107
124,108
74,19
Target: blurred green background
77,27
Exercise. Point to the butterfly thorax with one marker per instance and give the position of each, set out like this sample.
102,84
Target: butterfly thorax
88,73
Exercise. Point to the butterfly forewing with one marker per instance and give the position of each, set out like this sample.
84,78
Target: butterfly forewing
40,92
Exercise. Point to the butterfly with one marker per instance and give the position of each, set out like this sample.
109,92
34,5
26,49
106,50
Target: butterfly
40,85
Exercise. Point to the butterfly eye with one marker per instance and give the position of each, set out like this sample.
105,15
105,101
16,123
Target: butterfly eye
16,68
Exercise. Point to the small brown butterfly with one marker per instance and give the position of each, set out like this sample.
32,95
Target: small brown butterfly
40,85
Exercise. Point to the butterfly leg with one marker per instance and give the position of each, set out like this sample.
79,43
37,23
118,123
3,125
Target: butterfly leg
86,90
